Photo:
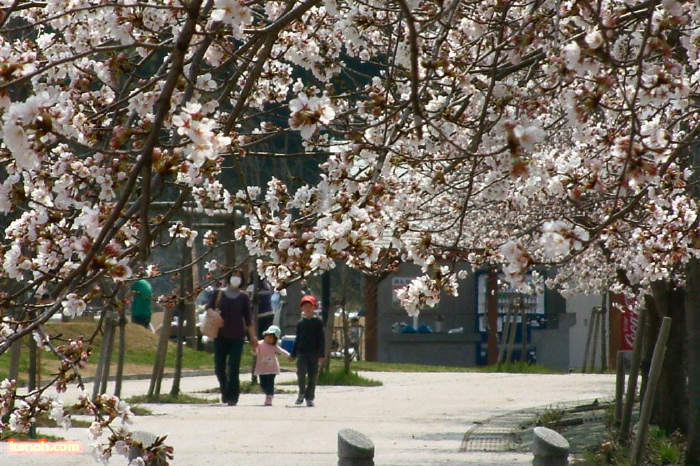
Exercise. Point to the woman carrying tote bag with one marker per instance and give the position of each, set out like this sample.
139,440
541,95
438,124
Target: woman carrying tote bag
228,345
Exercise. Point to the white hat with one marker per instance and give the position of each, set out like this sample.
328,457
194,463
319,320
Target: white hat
273,330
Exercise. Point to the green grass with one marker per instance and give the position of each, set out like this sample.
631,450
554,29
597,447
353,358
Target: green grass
660,449
368,366
5,436
141,351
337,376
182,398
142,345
138,410
550,417
43,421
516,368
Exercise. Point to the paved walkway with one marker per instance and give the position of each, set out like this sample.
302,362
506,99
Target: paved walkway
412,419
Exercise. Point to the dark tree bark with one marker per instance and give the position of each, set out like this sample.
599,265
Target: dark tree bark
670,407
692,300
371,313
649,336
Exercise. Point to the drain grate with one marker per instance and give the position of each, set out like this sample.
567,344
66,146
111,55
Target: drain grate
501,433
509,432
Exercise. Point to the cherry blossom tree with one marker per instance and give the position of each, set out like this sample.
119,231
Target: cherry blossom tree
493,133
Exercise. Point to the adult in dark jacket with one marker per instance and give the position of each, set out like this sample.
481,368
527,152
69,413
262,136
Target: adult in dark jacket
309,349
265,312
228,345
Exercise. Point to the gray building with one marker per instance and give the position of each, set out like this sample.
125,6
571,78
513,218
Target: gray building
454,332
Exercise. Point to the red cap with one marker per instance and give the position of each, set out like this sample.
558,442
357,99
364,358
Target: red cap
308,299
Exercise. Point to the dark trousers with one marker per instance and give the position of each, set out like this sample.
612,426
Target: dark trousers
263,323
227,366
307,372
267,383
144,321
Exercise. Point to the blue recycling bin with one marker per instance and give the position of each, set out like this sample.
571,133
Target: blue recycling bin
287,342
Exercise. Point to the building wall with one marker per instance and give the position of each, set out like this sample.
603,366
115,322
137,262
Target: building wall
457,349
581,306
460,349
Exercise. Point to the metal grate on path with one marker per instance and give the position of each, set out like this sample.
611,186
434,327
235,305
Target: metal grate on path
498,434
509,432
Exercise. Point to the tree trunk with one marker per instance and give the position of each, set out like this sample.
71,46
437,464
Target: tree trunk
371,312
108,340
120,355
15,352
692,301
33,366
670,407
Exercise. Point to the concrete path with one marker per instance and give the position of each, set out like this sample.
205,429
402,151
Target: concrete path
413,419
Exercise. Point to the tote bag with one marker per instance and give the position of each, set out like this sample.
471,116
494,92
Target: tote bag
213,320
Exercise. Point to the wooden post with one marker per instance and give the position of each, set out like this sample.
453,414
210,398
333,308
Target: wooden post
619,386
657,362
594,344
588,341
161,353
505,334
603,339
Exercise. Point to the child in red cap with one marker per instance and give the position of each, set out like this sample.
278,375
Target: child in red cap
309,349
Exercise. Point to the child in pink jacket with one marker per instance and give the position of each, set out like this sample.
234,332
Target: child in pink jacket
267,366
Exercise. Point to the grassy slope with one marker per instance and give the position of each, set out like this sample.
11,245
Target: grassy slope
141,350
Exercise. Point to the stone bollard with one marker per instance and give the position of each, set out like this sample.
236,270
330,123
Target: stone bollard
354,449
550,448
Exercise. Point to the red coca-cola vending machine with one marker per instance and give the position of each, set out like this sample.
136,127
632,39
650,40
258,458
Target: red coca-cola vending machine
623,326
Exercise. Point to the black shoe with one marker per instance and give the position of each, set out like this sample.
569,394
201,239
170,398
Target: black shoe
310,403
299,401
232,403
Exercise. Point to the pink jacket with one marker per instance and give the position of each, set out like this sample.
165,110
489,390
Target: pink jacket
266,362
